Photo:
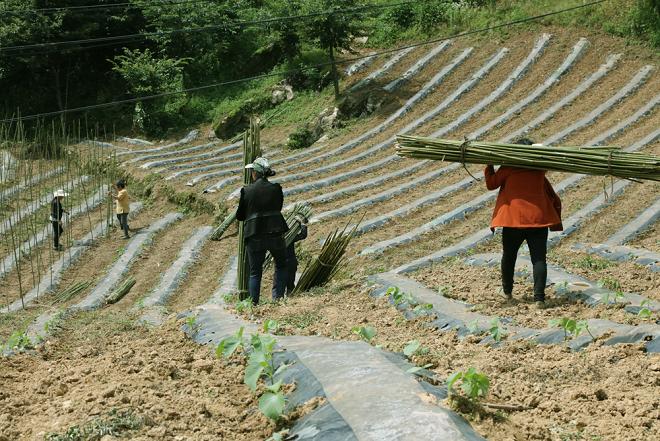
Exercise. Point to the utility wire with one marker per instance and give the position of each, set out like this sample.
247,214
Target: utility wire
100,6
271,74
200,29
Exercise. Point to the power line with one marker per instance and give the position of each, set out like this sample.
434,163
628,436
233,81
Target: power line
121,38
257,77
99,6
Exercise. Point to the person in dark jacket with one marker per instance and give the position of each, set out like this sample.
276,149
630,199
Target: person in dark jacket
292,259
526,207
56,212
260,208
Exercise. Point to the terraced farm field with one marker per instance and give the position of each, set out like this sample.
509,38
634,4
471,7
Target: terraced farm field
423,229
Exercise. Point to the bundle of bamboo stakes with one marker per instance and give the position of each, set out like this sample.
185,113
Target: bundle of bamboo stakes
322,268
301,212
599,161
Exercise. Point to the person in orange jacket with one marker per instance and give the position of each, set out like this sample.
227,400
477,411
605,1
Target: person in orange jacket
526,208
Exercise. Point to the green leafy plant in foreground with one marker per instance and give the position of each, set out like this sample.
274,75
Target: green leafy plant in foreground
366,333
474,385
243,306
571,327
260,364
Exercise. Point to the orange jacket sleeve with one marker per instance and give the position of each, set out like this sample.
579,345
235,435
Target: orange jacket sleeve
495,179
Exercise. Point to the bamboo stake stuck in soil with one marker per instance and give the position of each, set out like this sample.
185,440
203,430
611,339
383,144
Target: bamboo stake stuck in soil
597,160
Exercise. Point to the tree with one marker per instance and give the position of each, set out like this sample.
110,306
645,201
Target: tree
335,30
147,75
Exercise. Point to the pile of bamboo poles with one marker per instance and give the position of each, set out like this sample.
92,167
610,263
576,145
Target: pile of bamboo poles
218,232
599,161
295,219
71,292
322,268
121,291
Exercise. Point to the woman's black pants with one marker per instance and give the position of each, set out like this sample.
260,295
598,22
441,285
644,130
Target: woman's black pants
537,241
57,232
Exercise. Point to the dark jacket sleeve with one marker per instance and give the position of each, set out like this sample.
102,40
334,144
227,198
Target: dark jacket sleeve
241,210
280,193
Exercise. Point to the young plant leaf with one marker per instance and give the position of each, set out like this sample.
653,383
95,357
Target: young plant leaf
415,369
272,405
253,372
412,347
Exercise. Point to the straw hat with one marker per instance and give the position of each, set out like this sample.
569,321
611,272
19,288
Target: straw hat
60,193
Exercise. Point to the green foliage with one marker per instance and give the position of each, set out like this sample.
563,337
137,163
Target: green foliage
116,424
17,341
613,285
188,202
301,138
260,364
588,262
271,326
399,297
414,347
571,327
145,75
366,333
242,306
228,345
496,330
645,312
474,385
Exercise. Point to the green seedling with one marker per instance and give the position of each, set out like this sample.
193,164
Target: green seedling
271,326
562,287
423,308
415,369
243,306
366,333
272,402
444,290
414,347
590,262
228,345
571,327
475,385
496,330
193,326
645,313
229,298
17,341
399,297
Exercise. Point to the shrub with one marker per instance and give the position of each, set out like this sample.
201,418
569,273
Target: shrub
301,138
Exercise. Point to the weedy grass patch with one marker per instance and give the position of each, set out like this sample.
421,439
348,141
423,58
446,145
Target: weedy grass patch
117,423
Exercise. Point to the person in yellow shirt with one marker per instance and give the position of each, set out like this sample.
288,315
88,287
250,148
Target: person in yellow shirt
122,201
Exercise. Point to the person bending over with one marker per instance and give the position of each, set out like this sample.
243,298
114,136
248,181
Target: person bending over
260,208
527,206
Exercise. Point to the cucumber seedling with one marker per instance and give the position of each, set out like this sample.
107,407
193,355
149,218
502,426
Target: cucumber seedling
366,333
645,312
474,386
571,327
496,330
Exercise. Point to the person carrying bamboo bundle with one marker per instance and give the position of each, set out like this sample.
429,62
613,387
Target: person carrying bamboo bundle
526,207
260,208
56,212
292,259
122,205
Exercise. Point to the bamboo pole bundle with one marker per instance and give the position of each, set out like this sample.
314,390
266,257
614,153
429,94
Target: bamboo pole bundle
218,232
322,268
121,291
251,151
71,292
599,161
295,218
